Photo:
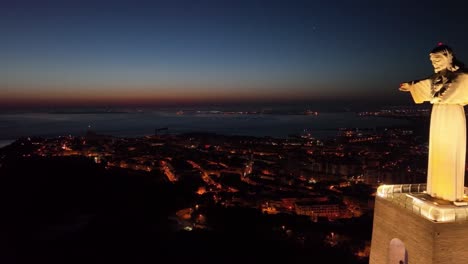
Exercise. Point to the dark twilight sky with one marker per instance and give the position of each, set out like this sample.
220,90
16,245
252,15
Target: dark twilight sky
155,52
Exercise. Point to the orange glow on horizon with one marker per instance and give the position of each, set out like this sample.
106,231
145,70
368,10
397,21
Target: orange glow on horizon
146,95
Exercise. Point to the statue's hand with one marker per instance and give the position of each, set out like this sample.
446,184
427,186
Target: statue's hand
405,87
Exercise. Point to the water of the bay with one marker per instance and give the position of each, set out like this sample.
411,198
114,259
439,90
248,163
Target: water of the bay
135,124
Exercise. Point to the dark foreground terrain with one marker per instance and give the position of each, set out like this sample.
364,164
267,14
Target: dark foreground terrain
71,210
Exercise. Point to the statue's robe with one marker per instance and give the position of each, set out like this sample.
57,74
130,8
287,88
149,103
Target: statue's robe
447,135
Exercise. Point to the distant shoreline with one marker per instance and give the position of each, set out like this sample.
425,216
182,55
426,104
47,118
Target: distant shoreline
129,123
4,143
87,112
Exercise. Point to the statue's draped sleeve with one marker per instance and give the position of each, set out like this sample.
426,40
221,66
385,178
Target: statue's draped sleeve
457,92
421,91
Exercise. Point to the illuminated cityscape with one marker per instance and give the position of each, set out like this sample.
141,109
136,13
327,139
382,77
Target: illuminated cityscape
296,184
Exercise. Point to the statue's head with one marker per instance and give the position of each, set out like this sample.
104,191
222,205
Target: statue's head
442,58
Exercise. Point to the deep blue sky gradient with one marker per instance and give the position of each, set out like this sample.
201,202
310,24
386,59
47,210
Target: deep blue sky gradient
232,50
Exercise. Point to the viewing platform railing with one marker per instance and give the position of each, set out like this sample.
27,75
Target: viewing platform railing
413,197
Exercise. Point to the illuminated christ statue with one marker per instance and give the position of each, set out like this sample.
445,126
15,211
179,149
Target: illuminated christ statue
447,91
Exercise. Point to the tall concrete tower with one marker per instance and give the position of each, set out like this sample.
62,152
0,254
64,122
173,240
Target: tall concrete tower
413,227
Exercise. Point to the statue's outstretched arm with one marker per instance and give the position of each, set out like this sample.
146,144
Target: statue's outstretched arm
420,90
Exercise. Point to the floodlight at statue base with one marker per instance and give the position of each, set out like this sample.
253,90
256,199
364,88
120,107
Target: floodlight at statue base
413,227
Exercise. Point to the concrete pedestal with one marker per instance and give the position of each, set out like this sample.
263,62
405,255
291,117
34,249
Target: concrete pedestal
412,228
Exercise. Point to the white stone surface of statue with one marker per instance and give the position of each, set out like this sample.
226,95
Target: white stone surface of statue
447,91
